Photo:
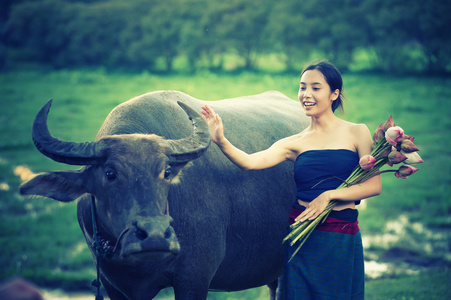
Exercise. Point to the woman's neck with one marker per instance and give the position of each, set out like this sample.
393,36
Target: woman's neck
324,123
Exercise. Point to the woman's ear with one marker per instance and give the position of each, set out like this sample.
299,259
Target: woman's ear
334,95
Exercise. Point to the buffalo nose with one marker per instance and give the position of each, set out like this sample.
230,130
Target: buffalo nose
139,233
168,233
150,235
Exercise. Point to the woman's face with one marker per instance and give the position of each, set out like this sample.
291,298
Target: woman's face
315,94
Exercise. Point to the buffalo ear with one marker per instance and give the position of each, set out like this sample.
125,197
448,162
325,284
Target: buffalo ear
63,186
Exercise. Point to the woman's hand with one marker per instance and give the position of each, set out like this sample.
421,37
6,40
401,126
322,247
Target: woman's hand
214,121
315,208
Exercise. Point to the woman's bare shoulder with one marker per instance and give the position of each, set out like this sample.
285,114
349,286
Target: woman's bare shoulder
359,129
362,137
294,137
355,128
292,144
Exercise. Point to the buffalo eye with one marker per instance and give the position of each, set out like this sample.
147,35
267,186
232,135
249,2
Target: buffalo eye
110,175
167,173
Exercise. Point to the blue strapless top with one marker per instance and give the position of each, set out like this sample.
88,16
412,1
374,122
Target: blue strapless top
316,171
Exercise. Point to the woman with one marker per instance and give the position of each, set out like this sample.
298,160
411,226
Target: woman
330,263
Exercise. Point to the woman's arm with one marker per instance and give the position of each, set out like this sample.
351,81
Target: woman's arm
366,189
270,157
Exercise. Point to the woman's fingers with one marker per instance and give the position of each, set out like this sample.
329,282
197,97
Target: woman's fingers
303,215
210,115
307,214
208,112
214,122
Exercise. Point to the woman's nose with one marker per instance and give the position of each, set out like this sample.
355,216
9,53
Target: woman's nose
307,93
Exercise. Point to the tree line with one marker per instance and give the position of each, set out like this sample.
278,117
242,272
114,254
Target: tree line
396,35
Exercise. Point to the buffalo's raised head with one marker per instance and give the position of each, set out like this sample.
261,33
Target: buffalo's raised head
129,176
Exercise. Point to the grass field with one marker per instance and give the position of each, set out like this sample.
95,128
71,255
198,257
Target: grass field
41,239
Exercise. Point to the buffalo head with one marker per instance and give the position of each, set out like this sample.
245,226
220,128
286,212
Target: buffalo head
129,177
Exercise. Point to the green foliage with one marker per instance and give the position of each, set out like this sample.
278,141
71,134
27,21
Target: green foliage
402,36
410,34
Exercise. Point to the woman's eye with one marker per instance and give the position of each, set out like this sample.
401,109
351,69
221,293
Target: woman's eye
167,173
110,175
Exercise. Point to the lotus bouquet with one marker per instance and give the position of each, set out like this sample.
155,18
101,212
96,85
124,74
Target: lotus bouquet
391,146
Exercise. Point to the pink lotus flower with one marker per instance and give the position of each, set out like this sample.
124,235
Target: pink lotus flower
413,158
404,171
407,146
367,162
379,133
393,135
406,137
387,152
389,123
395,157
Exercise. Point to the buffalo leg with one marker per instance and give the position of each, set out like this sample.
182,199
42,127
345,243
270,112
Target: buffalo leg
273,289
112,292
191,294
191,291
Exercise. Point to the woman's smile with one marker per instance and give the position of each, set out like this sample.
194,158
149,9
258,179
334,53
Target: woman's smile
309,105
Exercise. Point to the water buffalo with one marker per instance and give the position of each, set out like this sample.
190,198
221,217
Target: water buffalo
209,226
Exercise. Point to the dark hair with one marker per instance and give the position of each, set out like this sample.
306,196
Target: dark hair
333,79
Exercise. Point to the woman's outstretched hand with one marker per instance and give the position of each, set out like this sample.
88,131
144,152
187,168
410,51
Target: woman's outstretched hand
214,121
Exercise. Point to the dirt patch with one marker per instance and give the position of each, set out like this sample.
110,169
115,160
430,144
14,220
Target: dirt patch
399,256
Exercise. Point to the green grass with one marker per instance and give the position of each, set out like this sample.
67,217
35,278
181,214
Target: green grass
41,239
425,286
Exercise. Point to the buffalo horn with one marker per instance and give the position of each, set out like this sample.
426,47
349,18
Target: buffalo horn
88,153
192,147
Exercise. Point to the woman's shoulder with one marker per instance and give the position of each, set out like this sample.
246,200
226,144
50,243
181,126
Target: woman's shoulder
359,129
291,144
294,137
362,137
288,142
356,128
